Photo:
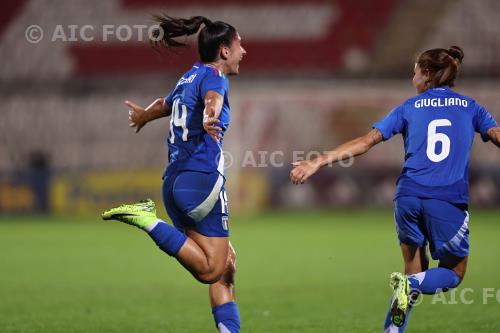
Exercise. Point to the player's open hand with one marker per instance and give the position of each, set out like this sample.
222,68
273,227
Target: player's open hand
210,126
136,116
302,170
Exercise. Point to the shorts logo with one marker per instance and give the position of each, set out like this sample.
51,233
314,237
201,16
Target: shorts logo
225,223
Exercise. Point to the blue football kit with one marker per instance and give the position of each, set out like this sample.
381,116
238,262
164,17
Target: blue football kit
193,182
431,199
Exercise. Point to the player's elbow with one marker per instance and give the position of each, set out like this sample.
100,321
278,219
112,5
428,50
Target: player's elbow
371,139
365,144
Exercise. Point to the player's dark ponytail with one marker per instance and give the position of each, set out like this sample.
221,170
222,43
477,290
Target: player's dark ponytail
442,65
172,27
211,37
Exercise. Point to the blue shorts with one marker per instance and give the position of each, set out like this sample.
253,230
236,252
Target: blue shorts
442,225
196,200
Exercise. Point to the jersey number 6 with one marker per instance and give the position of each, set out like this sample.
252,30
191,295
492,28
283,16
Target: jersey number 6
433,138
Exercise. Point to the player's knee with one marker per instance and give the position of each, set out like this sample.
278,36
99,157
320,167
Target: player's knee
225,274
456,265
209,277
212,273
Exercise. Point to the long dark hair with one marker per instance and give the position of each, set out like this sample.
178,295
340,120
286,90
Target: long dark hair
211,37
443,65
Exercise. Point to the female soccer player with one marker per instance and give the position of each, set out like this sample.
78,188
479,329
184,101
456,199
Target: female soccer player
431,199
193,182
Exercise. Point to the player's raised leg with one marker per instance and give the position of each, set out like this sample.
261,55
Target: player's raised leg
449,244
204,257
223,300
449,274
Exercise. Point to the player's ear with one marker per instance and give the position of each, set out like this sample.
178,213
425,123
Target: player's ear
224,52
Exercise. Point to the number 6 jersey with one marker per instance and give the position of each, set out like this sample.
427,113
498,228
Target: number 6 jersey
438,130
189,145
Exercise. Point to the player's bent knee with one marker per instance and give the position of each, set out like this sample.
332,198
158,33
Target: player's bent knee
457,264
209,277
224,275
212,274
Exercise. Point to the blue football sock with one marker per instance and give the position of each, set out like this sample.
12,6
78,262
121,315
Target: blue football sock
168,239
227,317
434,280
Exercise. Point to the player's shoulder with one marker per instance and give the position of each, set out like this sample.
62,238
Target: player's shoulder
210,78
207,71
470,104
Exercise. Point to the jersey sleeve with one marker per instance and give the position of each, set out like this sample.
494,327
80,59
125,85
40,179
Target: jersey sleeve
215,82
391,124
483,121
169,97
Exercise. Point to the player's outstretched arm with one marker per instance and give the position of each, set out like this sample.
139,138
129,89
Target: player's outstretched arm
139,116
304,169
211,113
494,134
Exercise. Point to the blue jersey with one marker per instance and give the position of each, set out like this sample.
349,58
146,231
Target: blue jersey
189,145
438,129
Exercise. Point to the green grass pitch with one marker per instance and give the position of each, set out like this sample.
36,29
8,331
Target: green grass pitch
297,272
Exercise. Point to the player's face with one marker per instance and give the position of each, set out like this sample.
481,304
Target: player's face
420,80
235,55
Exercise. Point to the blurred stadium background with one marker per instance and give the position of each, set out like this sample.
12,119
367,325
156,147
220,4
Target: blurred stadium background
317,73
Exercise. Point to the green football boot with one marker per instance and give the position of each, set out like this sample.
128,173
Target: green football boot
141,214
399,304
